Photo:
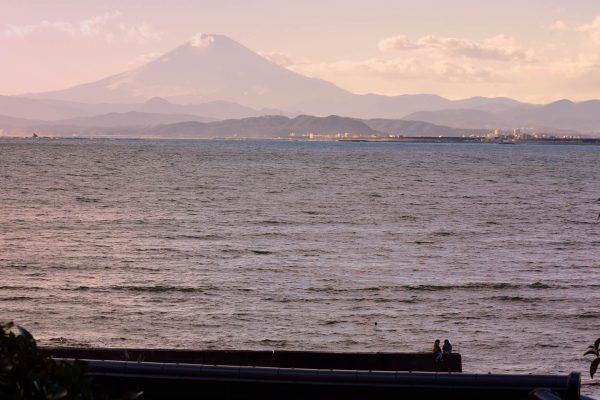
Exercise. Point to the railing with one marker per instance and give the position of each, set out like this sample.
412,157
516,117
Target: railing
165,380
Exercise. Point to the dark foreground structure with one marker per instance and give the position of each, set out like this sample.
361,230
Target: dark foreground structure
166,374
275,359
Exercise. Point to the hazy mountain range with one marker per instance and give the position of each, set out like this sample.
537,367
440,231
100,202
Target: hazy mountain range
302,125
215,78
136,124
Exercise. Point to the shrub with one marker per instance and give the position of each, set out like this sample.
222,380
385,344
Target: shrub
595,350
26,372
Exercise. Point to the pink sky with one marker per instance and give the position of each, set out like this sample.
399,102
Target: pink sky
534,50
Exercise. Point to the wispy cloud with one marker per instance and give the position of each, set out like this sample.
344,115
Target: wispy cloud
404,67
143,59
61,26
94,26
500,47
278,58
401,69
108,25
559,25
18,31
143,31
591,30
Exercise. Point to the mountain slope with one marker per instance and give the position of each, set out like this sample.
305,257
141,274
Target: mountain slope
57,110
562,115
418,128
280,126
21,107
266,127
213,109
207,68
559,115
131,118
10,124
460,118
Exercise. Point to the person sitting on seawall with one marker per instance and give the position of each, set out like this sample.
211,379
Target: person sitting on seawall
447,347
437,351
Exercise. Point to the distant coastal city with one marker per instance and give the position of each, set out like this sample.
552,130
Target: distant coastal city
517,135
497,136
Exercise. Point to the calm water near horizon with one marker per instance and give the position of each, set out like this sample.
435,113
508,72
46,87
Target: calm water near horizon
305,245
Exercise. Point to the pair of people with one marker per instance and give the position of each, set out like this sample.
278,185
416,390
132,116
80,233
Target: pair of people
439,352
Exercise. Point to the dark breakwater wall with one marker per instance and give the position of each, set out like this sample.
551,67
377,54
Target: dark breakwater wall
168,381
424,362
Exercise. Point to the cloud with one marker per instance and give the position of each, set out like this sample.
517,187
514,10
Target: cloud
143,59
401,69
201,40
18,31
105,25
499,48
61,26
400,42
559,25
141,32
496,66
278,58
465,72
577,78
93,26
591,30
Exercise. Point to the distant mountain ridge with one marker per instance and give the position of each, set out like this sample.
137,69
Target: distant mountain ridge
459,118
418,128
268,127
302,125
265,127
54,110
562,115
214,77
132,118
555,118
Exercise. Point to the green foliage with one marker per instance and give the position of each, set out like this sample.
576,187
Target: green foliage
595,350
27,373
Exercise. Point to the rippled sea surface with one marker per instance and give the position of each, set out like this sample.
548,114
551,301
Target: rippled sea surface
305,245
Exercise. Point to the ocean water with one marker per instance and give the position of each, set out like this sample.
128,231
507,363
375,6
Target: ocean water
306,245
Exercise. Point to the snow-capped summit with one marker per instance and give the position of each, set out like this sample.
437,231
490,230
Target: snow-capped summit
202,40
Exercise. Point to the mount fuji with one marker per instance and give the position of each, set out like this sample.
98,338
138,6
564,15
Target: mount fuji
207,68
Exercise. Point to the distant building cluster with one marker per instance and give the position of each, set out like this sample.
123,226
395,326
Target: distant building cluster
520,134
497,135
330,136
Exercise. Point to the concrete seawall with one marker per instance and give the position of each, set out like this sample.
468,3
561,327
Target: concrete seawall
424,362
221,382
301,375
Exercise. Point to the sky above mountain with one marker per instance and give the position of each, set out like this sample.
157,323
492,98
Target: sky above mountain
536,51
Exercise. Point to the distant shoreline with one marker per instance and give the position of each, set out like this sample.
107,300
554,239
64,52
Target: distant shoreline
451,139
416,139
